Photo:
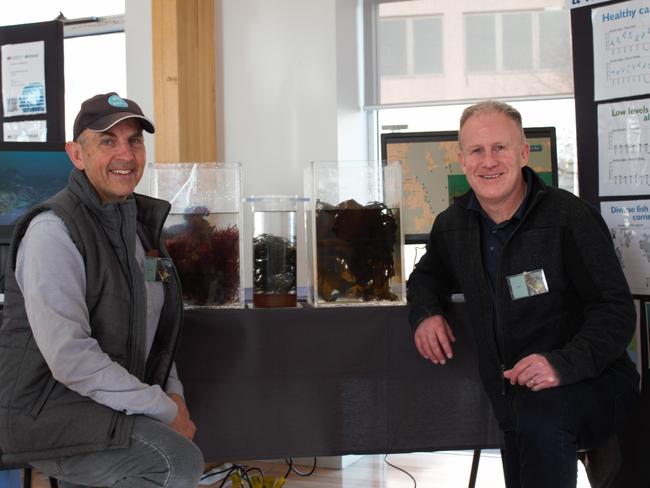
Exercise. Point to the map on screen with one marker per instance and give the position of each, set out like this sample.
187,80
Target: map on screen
432,176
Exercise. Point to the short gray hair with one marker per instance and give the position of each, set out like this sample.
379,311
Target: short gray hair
492,107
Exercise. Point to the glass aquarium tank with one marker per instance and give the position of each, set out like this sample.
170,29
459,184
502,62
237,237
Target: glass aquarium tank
202,231
355,232
274,250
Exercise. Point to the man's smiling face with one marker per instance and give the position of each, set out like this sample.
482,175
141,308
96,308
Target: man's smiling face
113,160
492,153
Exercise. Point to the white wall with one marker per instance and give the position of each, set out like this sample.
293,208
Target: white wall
279,67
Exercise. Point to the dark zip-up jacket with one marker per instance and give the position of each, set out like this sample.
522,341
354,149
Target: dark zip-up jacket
41,418
584,323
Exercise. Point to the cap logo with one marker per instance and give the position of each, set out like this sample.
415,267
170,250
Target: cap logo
117,101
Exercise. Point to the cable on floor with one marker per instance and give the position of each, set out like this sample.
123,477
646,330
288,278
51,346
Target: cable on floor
234,474
415,483
291,469
239,476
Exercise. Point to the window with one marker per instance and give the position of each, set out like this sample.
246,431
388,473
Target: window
480,44
410,46
427,45
522,55
517,42
93,64
94,45
554,36
421,51
392,42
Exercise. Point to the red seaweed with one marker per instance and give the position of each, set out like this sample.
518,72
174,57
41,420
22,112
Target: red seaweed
207,261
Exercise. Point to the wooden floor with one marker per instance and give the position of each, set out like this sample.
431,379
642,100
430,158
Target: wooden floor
430,470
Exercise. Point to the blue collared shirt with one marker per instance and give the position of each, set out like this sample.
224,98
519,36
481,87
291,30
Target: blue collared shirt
494,236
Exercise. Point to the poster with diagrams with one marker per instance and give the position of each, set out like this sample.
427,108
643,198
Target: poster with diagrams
621,40
624,148
629,225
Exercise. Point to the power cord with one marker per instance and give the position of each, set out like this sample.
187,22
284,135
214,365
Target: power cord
291,469
415,483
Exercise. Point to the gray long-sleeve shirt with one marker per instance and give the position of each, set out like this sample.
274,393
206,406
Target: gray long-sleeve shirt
51,275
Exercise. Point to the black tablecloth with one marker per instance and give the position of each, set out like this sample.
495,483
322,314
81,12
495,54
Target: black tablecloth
268,383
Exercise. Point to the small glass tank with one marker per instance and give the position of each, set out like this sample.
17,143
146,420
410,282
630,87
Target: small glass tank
274,250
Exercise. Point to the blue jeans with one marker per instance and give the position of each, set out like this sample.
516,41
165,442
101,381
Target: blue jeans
551,425
157,457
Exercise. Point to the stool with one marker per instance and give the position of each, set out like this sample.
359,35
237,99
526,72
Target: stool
27,479
474,471
602,463
27,476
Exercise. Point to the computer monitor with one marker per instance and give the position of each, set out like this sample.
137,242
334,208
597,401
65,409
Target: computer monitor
29,174
432,177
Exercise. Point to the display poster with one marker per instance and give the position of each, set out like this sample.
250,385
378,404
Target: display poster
629,225
23,79
624,148
621,39
25,131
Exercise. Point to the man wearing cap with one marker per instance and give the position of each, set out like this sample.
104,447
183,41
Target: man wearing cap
88,389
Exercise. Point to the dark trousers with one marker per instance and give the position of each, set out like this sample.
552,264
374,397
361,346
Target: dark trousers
552,425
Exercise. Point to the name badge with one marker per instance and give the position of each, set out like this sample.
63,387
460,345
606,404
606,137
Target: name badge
157,269
527,284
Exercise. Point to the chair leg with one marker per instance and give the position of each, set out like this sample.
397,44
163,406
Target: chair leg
27,478
474,472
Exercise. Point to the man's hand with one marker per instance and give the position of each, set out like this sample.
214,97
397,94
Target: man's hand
182,423
534,372
433,338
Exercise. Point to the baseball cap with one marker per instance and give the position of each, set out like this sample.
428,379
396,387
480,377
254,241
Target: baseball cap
103,111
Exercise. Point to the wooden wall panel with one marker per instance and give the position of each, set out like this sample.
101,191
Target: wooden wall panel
184,80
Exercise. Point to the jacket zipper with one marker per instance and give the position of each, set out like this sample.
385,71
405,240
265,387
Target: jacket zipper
498,338
498,332
131,349
169,288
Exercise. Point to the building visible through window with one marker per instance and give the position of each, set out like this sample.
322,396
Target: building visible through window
447,50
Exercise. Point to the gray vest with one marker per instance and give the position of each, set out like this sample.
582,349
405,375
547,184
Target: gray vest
41,418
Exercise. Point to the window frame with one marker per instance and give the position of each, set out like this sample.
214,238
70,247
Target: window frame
92,26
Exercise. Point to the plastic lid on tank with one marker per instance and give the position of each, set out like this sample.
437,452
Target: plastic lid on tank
275,203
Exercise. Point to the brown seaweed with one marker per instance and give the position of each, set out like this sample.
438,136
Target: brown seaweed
274,264
355,247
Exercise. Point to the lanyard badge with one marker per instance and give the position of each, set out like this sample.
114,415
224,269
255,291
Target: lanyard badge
527,284
157,269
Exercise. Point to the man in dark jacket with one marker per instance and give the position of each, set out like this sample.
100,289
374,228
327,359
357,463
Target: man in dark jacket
549,306
88,389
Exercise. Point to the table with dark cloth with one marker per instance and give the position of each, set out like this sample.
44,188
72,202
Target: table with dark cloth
272,383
